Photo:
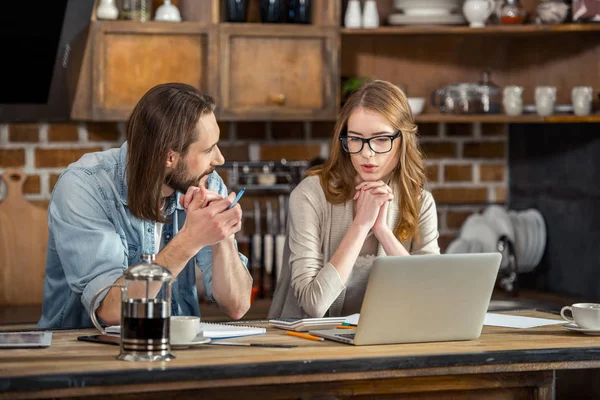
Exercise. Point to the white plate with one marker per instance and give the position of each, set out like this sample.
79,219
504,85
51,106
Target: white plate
439,4
184,345
447,19
426,12
572,326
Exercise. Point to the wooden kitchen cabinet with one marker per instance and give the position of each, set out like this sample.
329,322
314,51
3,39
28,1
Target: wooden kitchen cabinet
129,58
278,72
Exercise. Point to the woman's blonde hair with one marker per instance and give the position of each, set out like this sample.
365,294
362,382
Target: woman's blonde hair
337,175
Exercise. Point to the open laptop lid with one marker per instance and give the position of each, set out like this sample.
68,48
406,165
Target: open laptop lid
427,298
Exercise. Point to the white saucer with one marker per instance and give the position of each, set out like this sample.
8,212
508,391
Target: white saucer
572,326
196,341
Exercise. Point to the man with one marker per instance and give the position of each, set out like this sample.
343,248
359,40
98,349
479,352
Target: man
157,194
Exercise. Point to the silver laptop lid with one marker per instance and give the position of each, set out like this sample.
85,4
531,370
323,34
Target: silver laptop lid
427,298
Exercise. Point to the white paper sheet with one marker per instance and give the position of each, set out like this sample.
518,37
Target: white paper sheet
352,319
515,321
491,319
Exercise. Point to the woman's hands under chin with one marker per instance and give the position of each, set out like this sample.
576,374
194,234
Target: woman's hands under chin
380,228
371,206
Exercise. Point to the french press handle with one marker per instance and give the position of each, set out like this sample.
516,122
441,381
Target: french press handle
93,307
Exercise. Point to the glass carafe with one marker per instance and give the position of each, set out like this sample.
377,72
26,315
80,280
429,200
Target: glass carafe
145,312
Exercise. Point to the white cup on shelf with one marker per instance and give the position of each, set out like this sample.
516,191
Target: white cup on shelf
512,100
545,97
581,96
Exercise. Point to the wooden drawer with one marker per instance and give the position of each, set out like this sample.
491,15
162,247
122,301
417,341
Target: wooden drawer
278,72
130,58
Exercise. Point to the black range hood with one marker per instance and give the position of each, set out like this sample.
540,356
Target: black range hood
41,48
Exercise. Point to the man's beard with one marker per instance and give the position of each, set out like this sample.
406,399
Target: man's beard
180,180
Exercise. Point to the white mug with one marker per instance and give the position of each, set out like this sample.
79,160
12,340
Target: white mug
512,100
545,96
585,315
581,97
184,328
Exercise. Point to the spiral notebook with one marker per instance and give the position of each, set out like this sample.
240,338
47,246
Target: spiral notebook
213,330
220,331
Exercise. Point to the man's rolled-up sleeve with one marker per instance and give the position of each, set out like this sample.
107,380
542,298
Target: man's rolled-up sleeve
91,251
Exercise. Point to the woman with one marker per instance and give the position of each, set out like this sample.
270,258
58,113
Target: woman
367,200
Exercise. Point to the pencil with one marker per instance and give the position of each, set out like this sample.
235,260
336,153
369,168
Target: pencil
345,327
305,336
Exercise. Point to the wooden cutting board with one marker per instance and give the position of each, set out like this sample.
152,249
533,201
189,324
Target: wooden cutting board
23,243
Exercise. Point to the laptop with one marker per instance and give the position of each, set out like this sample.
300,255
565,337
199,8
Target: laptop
426,298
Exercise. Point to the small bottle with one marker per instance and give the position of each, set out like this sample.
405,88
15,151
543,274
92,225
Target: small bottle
512,13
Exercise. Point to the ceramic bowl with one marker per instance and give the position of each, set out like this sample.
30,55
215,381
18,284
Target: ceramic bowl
416,104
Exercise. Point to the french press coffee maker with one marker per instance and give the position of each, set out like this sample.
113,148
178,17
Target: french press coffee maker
145,312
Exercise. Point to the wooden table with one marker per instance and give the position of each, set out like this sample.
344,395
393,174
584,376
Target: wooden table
502,363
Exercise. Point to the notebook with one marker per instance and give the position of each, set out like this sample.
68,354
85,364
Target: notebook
213,330
306,324
219,331
425,298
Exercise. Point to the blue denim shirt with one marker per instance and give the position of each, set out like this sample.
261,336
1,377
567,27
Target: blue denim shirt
93,238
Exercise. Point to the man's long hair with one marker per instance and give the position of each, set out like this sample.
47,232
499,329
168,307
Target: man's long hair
164,119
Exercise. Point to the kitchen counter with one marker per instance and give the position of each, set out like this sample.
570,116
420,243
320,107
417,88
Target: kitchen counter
502,362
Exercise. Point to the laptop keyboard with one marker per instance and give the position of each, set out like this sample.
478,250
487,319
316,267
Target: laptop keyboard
346,335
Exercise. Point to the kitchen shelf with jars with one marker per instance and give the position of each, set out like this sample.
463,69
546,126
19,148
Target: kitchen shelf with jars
489,61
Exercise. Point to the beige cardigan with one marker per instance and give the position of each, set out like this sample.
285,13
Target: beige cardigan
308,285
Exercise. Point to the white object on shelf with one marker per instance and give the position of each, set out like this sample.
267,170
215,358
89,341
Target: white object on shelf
444,19
416,104
353,16
512,100
370,17
167,12
478,11
581,97
107,10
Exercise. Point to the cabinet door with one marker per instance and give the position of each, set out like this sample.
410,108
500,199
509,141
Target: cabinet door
130,58
279,72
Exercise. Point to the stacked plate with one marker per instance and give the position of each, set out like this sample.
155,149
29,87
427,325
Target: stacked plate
427,12
526,229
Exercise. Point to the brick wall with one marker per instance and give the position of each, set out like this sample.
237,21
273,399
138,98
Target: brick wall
466,163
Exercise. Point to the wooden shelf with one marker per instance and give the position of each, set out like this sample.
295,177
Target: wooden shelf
505,119
465,30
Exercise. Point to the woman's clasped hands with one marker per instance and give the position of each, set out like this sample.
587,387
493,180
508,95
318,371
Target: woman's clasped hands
372,199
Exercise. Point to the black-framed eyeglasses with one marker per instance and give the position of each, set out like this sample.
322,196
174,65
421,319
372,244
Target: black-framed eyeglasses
378,144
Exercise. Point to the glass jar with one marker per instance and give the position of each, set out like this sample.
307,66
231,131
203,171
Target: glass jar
136,10
512,13
490,94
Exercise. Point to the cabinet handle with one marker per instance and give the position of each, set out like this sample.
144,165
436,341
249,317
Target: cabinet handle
279,99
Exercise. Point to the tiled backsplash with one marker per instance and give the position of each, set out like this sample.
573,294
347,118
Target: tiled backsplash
466,163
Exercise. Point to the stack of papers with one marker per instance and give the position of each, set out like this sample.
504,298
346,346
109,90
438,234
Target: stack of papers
306,324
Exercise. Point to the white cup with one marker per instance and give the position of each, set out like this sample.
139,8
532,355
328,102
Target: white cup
512,100
184,328
581,96
545,96
585,315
